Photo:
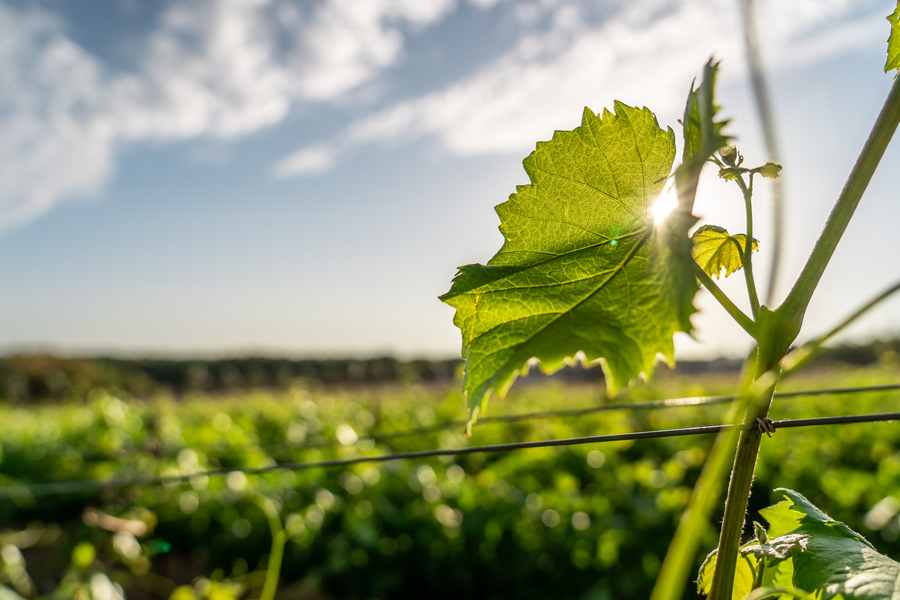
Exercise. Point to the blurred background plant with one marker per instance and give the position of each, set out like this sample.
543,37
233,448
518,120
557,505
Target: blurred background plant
582,522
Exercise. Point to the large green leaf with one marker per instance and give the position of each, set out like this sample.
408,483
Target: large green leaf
837,562
808,550
583,271
893,51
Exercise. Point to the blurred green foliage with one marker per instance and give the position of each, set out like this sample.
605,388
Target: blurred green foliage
582,522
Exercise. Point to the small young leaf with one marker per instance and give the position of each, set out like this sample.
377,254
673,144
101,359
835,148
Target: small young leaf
730,173
751,557
704,135
893,51
716,251
583,268
837,562
743,575
778,593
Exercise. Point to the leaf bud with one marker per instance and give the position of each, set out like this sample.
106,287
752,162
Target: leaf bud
729,155
761,536
770,170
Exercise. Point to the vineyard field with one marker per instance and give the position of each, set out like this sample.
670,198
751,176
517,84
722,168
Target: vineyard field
581,522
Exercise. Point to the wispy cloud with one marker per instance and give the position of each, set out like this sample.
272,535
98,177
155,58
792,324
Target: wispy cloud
218,69
227,68
643,52
52,145
312,159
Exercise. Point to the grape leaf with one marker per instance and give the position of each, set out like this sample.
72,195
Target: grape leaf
893,51
704,134
777,574
715,250
837,561
583,271
778,593
743,575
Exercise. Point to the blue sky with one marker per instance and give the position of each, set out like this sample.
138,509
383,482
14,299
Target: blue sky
304,177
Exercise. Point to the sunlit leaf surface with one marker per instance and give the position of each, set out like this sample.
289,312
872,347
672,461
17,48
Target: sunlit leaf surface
583,269
718,252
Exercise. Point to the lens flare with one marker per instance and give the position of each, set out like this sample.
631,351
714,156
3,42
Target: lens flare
664,205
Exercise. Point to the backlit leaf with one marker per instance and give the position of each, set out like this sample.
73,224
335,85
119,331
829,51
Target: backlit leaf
717,252
583,270
743,575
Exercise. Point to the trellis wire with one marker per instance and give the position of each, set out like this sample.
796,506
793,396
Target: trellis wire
86,485
667,403
682,402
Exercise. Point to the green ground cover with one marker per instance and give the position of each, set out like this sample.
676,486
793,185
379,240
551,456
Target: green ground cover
579,522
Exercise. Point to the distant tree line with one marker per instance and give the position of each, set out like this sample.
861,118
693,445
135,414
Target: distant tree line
43,377
33,377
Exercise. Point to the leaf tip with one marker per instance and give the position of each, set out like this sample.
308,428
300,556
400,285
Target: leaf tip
892,62
587,115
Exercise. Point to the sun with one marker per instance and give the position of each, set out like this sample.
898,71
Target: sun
664,205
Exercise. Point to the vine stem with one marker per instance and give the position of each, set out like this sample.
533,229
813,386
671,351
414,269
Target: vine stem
779,328
760,572
747,250
739,490
730,307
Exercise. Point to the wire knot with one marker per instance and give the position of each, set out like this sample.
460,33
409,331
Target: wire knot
765,425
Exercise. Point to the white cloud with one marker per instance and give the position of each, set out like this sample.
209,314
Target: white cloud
309,160
643,54
212,69
228,68
52,142
344,44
